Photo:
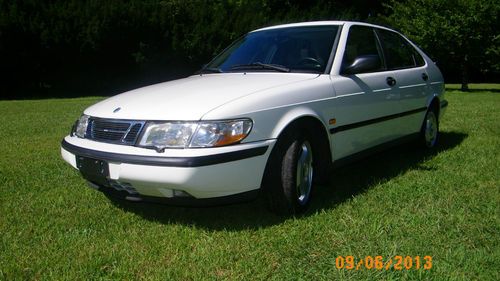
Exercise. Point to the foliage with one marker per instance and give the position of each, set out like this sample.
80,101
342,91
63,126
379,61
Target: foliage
460,34
74,47
192,26
41,40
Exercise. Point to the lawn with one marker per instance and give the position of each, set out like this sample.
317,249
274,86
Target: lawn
444,204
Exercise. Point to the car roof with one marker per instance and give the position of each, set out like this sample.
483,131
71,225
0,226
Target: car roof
318,23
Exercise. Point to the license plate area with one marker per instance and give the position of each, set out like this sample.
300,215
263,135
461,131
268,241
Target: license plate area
94,170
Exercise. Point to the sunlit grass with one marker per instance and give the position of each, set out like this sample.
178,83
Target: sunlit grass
403,201
482,86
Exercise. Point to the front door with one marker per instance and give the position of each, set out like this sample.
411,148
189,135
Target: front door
365,102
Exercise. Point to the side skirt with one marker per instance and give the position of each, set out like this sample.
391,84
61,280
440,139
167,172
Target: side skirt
370,151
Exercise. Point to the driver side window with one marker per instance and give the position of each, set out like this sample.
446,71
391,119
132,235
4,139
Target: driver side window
361,42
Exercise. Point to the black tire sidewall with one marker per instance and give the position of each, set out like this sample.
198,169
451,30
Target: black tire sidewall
423,141
281,174
289,175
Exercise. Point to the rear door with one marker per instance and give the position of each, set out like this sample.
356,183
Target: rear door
365,102
411,77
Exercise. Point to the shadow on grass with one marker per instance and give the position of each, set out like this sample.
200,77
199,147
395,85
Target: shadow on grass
347,182
358,177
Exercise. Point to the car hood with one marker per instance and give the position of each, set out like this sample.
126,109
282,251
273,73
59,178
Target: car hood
189,98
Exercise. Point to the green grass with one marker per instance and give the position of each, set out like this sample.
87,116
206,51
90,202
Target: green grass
404,201
475,87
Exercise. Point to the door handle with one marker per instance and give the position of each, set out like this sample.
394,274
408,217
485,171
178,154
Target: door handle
390,81
425,76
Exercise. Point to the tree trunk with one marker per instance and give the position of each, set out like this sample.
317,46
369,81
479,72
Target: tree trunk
465,76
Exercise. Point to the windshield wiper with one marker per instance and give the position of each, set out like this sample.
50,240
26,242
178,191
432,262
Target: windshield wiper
257,65
210,70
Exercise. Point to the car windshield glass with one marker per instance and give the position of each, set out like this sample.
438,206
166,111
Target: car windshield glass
291,49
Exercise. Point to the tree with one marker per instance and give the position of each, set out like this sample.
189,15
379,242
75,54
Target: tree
461,33
79,47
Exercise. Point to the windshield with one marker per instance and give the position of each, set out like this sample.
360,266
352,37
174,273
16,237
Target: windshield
291,49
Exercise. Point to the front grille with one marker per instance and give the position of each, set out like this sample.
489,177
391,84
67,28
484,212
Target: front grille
114,131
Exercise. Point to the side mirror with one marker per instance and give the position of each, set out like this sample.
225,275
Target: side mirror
364,63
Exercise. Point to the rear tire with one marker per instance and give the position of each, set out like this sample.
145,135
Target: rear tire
430,129
288,181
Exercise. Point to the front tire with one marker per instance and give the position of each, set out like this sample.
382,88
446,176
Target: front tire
288,182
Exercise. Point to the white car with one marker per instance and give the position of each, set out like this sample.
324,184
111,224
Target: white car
272,113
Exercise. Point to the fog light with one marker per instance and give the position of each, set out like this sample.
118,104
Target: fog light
180,193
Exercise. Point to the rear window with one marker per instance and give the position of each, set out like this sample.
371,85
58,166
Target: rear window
398,51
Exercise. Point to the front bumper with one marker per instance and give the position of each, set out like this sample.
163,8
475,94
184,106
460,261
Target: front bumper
178,175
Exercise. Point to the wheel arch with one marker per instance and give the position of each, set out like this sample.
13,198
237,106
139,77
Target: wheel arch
314,126
295,115
434,103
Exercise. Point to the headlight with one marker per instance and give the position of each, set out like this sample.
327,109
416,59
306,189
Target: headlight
161,135
81,126
194,134
221,133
